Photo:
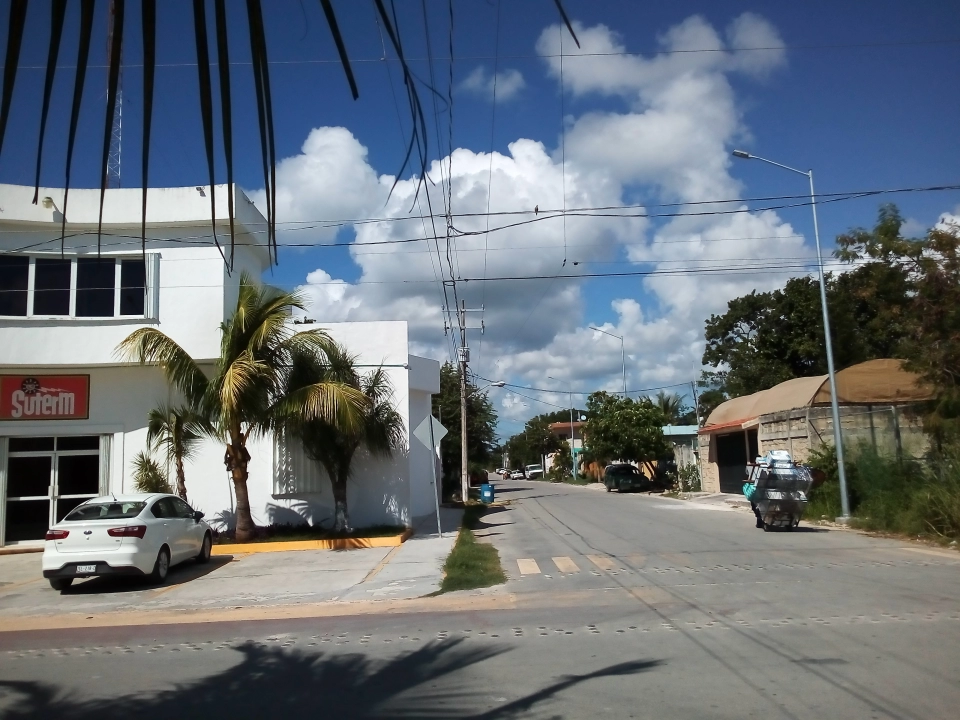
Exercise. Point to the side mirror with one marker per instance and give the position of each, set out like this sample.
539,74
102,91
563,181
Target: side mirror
197,516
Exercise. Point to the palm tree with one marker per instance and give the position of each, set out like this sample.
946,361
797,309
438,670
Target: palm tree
176,432
148,476
245,395
671,405
380,431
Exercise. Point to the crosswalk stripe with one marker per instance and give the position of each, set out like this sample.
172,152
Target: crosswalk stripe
602,561
565,565
528,566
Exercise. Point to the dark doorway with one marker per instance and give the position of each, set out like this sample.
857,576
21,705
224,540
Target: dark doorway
732,458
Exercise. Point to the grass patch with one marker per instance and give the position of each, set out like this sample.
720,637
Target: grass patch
293,533
471,564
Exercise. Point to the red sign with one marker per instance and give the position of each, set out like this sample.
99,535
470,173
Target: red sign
44,397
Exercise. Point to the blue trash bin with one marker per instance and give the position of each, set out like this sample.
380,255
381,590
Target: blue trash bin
486,493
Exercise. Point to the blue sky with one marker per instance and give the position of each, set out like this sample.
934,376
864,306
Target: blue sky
863,93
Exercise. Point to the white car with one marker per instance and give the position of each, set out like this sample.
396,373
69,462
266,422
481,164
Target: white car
136,534
517,475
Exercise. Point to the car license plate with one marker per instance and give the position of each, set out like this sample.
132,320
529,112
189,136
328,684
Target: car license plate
86,568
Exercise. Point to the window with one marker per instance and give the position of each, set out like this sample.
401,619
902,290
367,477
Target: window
182,509
163,508
83,287
105,511
51,287
96,282
14,275
133,287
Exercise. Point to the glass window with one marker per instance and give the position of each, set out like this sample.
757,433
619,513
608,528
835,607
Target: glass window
133,287
96,284
78,442
105,511
163,508
14,273
51,287
29,476
78,474
182,509
30,444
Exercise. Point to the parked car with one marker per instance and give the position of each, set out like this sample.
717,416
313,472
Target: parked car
141,534
623,477
517,475
533,471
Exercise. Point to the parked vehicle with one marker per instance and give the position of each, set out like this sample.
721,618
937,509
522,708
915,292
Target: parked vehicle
533,471
517,475
623,477
138,534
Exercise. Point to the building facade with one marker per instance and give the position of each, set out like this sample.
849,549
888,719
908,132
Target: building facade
73,414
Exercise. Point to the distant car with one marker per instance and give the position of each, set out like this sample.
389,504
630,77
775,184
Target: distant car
533,471
517,475
141,534
623,477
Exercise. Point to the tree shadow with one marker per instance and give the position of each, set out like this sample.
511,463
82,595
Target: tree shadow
270,680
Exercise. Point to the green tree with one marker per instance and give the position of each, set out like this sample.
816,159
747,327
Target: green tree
536,441
481,425
672,407
766,338
380,431
624,429
929,268
148,476
176,433
244,397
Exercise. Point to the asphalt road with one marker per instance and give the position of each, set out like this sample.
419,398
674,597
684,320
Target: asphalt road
616,605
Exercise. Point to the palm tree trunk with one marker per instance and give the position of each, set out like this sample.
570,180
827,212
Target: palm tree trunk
181,479
236,460
341,521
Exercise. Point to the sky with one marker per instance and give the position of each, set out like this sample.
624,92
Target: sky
611,160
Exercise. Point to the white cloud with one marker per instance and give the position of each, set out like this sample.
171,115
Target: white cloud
502,86
671,142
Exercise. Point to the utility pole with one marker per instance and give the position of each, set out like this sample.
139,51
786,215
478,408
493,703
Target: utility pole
463,358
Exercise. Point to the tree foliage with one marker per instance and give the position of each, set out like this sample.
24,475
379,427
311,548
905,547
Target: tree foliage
246,393
176,433
625,429
148,476
481,425
536,441
930,319
766,338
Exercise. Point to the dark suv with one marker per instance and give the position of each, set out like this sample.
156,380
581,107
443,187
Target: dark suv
623,477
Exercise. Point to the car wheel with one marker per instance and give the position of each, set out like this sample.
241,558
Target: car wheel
204,556
161,567
767,527
609,489
61,583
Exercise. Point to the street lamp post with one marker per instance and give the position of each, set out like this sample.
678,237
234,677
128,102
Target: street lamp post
573,454
831,373
623,363
464,470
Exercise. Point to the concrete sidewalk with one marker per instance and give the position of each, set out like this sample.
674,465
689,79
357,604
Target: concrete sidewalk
411,570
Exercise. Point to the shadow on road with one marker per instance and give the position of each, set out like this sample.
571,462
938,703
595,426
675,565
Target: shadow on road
178,575
270,681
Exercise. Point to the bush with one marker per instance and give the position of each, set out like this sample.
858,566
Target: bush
148,476
890,495
688,479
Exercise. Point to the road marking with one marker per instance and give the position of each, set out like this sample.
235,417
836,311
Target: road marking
528,566
565,565
602,561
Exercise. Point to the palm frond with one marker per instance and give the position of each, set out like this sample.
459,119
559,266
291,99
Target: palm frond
335,403
149,345
18,16
341,47
223,57
563,14
383,430
58,10
113,83
239,383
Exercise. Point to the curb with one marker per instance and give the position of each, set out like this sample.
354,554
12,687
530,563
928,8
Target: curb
333,544
20,550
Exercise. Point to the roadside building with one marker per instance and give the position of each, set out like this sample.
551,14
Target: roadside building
684,441
73,415
875,399
569,433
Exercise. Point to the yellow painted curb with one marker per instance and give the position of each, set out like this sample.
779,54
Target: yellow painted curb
334,544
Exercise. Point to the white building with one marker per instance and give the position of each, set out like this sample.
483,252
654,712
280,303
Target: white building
73,416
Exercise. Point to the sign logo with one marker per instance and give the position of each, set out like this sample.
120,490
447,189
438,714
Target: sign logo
44,397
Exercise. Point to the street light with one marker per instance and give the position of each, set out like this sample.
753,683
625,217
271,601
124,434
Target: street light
623,364
464,470
834,404
573,454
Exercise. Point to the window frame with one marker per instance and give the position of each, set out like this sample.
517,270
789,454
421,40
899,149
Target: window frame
150,300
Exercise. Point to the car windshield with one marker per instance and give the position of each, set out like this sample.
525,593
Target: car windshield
105,511
620,470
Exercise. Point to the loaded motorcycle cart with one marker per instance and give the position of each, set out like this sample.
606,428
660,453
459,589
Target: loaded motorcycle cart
778,488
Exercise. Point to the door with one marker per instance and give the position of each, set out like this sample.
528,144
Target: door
732,462
191,531
46,478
